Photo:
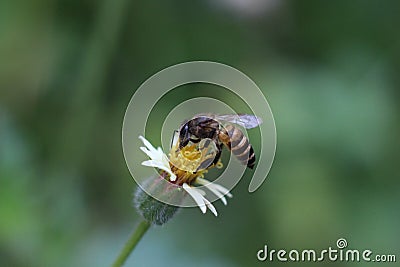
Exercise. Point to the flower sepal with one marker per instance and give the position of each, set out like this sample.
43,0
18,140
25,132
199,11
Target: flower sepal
151,209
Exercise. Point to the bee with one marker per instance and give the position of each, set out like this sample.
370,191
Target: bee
209,126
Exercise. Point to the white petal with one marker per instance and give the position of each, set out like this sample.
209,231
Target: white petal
147,152
218,194
172,176
165,160
159,165
198,198
223,190
152,163
201,192
210,206
153,154
212,189
217,189
147,144
157,156
156,159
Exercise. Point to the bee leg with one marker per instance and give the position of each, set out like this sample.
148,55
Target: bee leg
205,164
218,155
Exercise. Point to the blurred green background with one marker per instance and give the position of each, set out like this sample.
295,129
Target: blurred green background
330,71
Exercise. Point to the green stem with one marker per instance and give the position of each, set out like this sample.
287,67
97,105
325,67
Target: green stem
131,243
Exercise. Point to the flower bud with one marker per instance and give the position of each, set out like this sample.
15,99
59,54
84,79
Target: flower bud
153,210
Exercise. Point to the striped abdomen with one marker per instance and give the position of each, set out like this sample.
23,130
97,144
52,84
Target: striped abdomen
237,142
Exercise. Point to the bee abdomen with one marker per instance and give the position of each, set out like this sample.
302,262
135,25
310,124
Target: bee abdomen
238,143
245,154
252,158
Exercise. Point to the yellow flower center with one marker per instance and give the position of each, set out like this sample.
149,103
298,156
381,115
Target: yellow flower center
193,160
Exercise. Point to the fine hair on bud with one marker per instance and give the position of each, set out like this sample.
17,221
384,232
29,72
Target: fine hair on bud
151,209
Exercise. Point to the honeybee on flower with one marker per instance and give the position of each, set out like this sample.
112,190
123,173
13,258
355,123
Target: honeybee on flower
196,148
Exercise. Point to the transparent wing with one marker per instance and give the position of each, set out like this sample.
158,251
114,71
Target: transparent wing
245,120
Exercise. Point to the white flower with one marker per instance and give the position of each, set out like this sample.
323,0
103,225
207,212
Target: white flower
217,189
160,161
158,158
198,194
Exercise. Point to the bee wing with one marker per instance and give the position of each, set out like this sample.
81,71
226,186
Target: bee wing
245,120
